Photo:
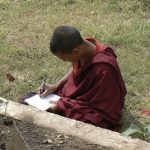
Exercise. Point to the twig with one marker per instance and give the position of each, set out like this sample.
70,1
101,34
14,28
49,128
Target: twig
6,109
6,102
3,99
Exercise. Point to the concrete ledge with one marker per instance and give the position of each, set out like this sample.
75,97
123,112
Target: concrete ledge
17,142
87,132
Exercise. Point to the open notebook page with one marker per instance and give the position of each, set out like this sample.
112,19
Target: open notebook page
42,103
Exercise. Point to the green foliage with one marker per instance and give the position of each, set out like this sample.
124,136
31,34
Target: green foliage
26,27
71,1
112,6
131,6
145,4
136,132
133,130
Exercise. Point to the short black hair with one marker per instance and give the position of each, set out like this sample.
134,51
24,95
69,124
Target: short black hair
65,39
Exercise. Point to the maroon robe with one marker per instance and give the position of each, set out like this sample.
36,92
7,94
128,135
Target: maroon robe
95,93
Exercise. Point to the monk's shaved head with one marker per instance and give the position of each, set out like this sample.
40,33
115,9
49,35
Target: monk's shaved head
65,39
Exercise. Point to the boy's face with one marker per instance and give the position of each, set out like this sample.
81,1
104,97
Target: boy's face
69,57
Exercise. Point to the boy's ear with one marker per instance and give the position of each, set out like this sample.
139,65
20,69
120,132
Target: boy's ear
75,50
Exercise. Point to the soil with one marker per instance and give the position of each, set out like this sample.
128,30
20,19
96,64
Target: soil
38,138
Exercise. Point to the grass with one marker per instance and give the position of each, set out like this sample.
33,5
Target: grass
26,27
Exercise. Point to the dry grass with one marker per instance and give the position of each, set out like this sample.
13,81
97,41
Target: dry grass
26,26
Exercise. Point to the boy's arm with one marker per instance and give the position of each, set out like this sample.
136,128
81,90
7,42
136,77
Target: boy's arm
51,88
64,79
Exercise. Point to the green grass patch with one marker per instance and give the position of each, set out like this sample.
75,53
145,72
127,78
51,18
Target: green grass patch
26,27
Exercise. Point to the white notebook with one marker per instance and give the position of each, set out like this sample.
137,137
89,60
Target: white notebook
42,103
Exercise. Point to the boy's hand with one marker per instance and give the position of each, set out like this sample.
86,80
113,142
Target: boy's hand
54,108
46,89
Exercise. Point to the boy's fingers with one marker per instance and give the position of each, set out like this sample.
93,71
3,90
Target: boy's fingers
45,93
39,89
42,88
43,84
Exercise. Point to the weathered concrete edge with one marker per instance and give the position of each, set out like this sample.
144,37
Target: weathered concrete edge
87,132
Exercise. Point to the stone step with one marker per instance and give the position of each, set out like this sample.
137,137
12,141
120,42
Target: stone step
88,133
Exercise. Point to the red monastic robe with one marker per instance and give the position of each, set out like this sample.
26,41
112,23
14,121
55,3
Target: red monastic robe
95,93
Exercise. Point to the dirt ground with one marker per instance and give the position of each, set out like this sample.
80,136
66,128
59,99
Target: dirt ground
38,138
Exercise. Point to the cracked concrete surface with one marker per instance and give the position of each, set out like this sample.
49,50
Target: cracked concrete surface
87,132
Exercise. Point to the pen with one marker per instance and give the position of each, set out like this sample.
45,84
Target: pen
43,86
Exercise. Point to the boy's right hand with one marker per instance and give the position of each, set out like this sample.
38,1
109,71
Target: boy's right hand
46,89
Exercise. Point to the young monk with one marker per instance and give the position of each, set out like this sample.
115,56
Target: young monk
93,90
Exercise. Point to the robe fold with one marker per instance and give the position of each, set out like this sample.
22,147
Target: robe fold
95,93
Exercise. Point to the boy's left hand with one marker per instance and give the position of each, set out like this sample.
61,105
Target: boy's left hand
54,108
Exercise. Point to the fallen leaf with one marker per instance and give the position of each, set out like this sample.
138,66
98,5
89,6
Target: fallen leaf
60,142
47,141
93,12
9,77
59,136
146,112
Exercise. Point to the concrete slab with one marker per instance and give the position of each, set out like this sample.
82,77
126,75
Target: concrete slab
87,132
17,142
